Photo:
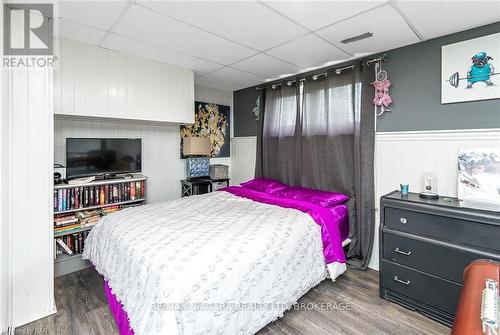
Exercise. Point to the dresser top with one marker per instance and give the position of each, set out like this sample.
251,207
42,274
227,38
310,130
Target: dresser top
444,202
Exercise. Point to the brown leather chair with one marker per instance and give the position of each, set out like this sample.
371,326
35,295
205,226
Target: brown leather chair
468,316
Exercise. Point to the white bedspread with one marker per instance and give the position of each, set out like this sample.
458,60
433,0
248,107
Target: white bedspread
214,252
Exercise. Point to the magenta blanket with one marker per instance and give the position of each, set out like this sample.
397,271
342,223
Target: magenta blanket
118,312
333,221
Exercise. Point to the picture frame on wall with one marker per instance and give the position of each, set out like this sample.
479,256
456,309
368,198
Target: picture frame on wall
470,70
212,121
479,177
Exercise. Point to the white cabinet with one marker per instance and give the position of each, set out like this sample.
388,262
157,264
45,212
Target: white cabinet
96,82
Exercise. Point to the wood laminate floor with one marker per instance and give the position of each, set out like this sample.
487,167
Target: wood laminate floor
351,305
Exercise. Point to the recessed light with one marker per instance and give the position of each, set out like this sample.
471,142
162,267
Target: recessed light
356,38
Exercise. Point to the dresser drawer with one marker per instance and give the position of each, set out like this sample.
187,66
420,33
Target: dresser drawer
441,227
439,293
429,256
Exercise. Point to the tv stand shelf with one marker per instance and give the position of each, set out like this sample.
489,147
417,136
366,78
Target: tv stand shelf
64,263
98,182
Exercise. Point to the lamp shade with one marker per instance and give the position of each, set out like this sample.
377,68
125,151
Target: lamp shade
196,146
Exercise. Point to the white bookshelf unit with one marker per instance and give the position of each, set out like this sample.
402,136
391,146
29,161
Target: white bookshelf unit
111,194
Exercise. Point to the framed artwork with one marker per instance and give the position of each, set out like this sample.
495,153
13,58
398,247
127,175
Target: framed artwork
470,70
212,121
479,177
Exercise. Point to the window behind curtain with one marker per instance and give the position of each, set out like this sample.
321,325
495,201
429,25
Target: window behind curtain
281,117
315,107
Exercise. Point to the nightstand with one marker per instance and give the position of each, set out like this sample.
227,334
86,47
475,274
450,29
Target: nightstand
195,186
202,185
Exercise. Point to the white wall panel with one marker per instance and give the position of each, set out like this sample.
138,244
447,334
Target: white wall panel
160,142
27,158
97,82
160,149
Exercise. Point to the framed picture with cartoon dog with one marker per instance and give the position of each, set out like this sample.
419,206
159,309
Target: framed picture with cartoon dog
470,70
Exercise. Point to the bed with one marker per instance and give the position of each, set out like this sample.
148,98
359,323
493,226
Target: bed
227,262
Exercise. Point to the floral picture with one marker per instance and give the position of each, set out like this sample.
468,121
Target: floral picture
212,121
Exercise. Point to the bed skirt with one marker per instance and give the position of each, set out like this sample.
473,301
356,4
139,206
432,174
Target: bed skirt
118,312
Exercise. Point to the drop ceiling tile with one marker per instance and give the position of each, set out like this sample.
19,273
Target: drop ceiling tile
98,14
234,76
247,22
146,25
137,48
266,66
438,18
77,32
388,27
308,51
218,84
317,14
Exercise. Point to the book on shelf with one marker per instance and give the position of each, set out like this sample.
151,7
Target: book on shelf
71,244
67,228
64,218
65,222
80,197
64,246
110,197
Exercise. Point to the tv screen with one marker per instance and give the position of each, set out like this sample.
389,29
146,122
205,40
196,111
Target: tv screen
98,156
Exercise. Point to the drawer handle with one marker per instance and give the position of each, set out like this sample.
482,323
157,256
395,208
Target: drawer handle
407,282
403,220
402,252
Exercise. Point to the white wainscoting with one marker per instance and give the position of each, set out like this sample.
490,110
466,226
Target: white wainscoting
405,156
399,157
243,158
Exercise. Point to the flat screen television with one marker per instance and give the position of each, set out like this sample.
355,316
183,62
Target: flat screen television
102,156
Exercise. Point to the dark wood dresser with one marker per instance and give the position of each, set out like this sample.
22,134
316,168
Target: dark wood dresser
425,246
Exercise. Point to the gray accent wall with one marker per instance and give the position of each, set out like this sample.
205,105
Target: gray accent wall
244,120
415,73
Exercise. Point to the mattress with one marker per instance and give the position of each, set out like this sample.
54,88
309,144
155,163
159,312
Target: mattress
210,264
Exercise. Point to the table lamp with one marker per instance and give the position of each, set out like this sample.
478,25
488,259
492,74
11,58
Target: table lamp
197,150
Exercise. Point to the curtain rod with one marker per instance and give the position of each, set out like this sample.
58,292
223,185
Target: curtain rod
382,58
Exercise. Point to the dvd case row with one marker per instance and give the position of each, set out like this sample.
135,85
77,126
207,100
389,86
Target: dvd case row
71,244
88,196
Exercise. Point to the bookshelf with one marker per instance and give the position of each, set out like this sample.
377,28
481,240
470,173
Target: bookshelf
78,207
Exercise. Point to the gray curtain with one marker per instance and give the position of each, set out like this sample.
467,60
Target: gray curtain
320,134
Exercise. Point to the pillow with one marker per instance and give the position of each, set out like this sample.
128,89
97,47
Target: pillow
322,198
264,185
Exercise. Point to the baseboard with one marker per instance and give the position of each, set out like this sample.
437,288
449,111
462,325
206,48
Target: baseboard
34,317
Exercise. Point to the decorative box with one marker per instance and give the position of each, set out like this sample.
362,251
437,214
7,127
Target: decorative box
198,167
219,171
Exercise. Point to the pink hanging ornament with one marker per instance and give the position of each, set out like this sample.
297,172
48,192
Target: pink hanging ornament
382,98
